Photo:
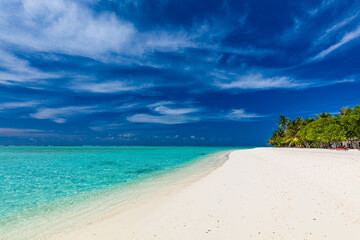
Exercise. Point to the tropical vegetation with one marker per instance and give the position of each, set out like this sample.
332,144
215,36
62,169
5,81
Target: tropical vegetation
322,131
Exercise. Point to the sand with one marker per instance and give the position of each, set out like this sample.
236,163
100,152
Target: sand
262,193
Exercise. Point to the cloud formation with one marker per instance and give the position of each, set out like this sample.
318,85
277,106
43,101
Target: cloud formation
59,115
339,25
241,114
105,87
15,70
163,108
164,68
13,105
165,114
16,132
255,81
344,40
63,26
162,119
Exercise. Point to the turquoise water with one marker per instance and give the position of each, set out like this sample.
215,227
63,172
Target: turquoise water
38,179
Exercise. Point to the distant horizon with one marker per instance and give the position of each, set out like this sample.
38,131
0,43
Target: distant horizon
212,73
130,146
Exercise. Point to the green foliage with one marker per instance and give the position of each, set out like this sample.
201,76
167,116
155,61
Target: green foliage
351,124
277,139
323,115
282,122
291,136
323,131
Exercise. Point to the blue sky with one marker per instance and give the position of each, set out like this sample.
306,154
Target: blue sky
147,72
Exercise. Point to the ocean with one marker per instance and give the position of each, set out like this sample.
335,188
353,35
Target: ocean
48,189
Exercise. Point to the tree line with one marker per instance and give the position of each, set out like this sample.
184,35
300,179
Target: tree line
322,131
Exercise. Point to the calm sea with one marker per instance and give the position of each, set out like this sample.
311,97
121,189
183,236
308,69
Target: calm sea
38,180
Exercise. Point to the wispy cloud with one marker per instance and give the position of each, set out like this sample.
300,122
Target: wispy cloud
128,106
163,41
72,28
241,115
301,22
69,27
15,70
166,114
16,132
249,51
179,116
103,126
59,115
344,40
163,119
254,81
24,104
63,26
127,136
120,67
106,87
321,7
163,108
338,25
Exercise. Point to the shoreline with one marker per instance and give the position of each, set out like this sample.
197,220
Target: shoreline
261,193
50,225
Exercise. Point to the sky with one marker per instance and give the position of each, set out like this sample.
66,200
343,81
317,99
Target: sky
171,72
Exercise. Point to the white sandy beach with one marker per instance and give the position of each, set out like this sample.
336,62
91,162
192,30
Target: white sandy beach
262,193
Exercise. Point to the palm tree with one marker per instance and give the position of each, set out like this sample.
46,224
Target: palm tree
323,115
283,122
309,120
322,131
277,139
345,111
291,132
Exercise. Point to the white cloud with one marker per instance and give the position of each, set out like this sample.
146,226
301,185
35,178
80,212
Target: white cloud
18,70
339,25
63,26
174,111
241,114
15,132
96,128
254,81
59,115
168,115
105,87
161,103
323,6
345,39
178,116
129,106
251,51
59,120
127,136
70,27
163,119
300,24
102,126
163,41
24,104
163,108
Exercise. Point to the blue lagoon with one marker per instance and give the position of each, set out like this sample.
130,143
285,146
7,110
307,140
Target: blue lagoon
45,190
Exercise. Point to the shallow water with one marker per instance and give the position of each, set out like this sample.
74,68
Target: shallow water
37,182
